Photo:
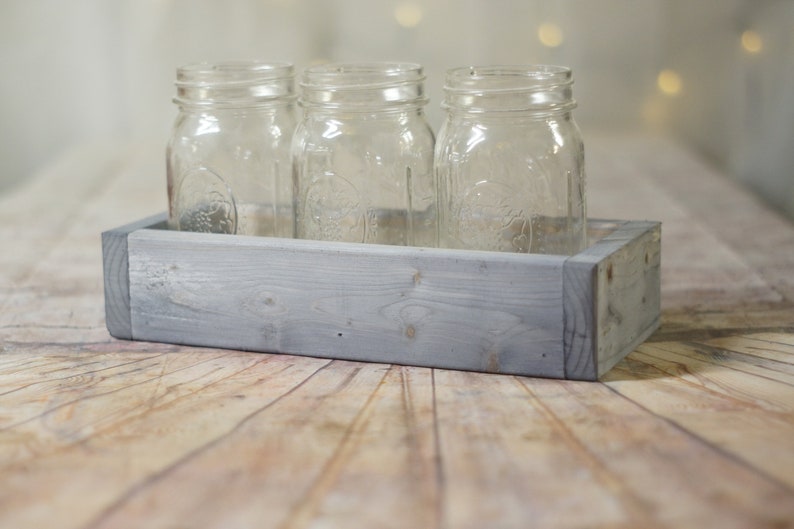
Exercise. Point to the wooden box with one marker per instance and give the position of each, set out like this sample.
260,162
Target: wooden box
538,315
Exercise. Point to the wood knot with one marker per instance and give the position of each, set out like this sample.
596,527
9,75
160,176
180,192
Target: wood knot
417,277
410,332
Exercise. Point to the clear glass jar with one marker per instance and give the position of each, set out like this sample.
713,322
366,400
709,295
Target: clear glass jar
363,156
509,161
228,159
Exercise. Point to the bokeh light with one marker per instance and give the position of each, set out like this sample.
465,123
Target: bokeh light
408,14
752,42
550,34
669,82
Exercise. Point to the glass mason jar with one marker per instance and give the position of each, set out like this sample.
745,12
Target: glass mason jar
509,161
363,156
228,159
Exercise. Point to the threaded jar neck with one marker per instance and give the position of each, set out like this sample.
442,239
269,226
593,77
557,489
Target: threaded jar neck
363,86
234,84
531,89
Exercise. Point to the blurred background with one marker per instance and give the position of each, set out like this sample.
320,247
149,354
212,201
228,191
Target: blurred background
716,74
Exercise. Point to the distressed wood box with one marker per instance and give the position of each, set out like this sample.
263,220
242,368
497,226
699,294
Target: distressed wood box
537,315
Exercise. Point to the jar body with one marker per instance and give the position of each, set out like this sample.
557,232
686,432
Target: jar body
363,164
228,159
510,174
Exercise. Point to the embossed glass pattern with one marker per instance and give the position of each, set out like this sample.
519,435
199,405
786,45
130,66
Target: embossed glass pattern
363,156
509,161
228,159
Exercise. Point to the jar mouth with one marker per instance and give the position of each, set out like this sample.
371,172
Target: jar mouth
362,85
512,88
235,83
503,77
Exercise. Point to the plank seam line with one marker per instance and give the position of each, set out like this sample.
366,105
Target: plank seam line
97,395
696,345
710,334
307,505
82,373
439,458
414,445
638,512
741,356
730,456
160,474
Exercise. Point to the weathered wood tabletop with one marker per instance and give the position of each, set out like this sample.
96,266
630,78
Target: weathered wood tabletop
693,429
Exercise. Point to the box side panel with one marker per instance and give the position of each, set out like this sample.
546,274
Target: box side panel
116,276
428,308
117,295
579,310
580,297
628,298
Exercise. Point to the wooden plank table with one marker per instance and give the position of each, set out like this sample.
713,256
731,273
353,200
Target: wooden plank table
693,429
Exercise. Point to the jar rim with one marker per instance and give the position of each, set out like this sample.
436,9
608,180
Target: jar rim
234,84
232,72
358,75
362,85
507,77
531,89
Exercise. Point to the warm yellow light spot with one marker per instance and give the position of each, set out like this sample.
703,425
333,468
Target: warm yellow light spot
669,82
751,41
550,34
408,14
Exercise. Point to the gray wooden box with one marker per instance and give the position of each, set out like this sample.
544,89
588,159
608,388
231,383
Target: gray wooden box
537,315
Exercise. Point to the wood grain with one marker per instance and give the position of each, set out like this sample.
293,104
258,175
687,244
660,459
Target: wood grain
611,298
692,429
536,315
115,260
377,303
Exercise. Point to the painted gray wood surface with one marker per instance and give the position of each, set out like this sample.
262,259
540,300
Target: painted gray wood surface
485,311
627,295
612,298
116,275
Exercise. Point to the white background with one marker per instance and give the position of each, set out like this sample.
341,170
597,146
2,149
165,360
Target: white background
81,71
